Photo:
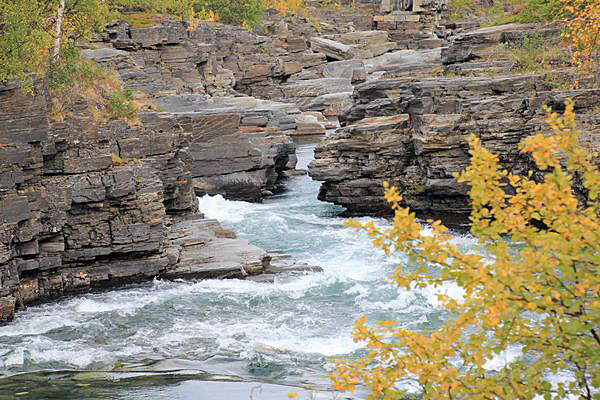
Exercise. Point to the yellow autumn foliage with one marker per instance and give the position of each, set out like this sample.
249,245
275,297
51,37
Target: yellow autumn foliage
285,6
533,289
582,23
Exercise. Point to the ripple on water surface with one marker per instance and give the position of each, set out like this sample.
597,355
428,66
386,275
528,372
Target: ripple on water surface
278,334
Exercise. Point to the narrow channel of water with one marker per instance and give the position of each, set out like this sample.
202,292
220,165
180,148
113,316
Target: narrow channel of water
220,339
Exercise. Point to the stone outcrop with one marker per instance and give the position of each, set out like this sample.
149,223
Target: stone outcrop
482,44
353,45
354,70
412,133
214,59
86,205
332,49
240,146
72,216
404,63
408,123
331,96
201,248
327,88
354,160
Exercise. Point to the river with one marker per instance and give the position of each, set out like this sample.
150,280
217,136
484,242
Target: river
221,339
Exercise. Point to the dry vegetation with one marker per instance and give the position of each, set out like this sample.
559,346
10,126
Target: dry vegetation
74,78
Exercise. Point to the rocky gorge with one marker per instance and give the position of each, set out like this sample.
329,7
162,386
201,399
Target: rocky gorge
409,128
87,205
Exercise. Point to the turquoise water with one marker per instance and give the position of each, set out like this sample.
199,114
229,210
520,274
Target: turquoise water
221,339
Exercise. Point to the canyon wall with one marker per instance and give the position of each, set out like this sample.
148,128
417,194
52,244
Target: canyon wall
410,127
87,205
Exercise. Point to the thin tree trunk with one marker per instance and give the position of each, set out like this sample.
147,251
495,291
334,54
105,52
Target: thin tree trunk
59,19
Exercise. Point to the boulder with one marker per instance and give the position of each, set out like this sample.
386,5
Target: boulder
412,59
365,44
481,43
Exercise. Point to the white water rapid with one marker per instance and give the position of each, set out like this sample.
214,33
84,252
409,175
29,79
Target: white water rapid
221,339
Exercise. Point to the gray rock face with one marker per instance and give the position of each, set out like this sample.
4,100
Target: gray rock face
353,70
330,96
214,59
205,250
239,146
410,59
412,133
353,45
365,44
84,205
316,87
70,215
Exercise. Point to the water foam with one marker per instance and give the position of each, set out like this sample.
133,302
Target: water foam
298,321
224,210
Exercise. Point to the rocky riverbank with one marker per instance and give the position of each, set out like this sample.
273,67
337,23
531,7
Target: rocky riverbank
86,204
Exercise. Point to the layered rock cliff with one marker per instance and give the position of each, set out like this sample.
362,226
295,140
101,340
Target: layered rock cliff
411,131
87,205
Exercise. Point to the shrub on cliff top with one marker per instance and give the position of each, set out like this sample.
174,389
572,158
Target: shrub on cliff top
531,291
243,13
34,33
582,20
72,78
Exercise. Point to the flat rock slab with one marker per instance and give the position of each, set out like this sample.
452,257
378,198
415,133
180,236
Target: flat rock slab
317,87
362,37
104,54
353,70
307,124
480,43
331,48
206,250
204,104
365,44
428,57
284,265
330,105
204,253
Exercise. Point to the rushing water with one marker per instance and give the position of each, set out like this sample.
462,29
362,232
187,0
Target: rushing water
220,339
